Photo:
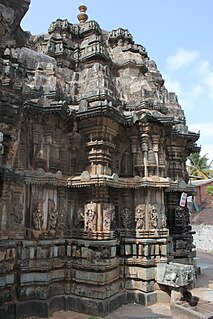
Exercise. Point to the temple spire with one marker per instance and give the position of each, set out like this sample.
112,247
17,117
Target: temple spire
82,16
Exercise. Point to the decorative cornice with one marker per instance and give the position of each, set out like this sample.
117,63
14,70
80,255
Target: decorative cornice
107,110
119,182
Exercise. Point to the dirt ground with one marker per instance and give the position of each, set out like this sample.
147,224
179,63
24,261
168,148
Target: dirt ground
203,290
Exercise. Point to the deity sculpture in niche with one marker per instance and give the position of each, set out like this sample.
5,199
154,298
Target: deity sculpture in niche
52,215
108,216
90,217
17,213
38,216
163,217
140,212
153,216
61,224
78,218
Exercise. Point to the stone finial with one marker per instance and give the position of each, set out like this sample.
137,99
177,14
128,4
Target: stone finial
82,16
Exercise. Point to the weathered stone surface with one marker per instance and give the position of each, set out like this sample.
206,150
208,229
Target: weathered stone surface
184,309
11,13
176,275
92,166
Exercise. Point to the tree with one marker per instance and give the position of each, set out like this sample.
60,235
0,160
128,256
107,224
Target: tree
209,190
199,166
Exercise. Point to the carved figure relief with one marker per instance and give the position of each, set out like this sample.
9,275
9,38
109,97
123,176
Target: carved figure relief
52,215
17,213
163,218
108,216
153,216
78,219
38,216
90,217
61,219
140,212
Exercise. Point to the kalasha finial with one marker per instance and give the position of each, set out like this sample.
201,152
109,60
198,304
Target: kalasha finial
82,16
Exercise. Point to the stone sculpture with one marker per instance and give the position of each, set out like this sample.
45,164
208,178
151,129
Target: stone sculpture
52,215
90,217
109,216
140,212
92,165
38,216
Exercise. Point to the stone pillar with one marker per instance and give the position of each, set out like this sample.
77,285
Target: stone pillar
145,130
155,143
161,157
134,147
144,144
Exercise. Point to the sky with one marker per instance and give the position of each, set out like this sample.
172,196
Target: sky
177,35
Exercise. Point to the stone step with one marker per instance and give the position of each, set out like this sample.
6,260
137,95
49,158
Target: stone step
203,310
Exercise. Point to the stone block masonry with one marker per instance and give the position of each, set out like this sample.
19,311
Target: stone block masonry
92,167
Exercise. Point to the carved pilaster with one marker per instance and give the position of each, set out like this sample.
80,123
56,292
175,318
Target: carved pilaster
162,157
145,148
155,147
99,135
134,148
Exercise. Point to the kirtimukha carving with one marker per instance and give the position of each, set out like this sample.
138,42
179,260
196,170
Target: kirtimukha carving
93,153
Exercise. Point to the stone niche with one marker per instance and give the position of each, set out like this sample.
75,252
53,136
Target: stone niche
92,166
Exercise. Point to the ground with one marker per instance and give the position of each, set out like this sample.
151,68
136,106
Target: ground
203,289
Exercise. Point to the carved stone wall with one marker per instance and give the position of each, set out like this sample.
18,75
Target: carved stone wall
92,167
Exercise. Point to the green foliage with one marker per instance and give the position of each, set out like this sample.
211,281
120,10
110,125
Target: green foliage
209,190
200,166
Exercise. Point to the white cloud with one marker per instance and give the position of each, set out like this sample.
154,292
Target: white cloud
206,73
187,97
196,91
209,82
181,58
206,137
204,67
173,85
206,129
194,87
207,149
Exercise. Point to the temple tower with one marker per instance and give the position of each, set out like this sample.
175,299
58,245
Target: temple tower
92,161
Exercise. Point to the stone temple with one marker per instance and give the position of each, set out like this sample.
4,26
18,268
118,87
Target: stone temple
92,169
